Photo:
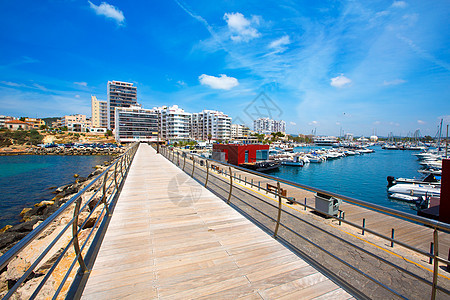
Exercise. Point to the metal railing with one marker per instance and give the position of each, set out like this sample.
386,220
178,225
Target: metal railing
72,252
216,173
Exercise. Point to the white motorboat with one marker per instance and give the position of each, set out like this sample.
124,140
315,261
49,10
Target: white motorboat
296,161
406,198
413,189
431,179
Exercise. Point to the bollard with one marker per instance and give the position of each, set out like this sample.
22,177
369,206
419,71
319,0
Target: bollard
252,182
431,252
392,237
259,185
363,225
340,217
245,180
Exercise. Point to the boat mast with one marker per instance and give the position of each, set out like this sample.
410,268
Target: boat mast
439,138
446,143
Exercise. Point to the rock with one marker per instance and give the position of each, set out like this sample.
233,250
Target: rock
5,228
9,239
23,227
45,202
25,210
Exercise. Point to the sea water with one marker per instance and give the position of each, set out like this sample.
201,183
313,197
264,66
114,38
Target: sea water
360,176
26,179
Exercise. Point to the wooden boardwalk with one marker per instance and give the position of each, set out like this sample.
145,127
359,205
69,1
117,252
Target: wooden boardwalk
170,238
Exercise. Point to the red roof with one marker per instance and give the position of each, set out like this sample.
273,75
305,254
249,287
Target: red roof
17,122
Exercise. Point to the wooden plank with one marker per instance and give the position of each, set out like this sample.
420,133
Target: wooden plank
165,245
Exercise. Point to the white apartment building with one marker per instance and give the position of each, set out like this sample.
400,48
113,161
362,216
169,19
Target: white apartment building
175,123
238,130
76,123
99,110
210,124
4,119
134,124
267,126
120,94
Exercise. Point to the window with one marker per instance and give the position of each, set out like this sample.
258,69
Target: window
262,155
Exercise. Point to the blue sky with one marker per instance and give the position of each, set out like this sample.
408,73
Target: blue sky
355,66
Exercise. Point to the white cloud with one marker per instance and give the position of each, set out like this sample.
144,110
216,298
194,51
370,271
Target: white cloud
399,4
394,82
376,123
284,40
421,122
109,11
292,123
82,83
279,44
221,83
313,123
241,28
340,81
181,83
338,123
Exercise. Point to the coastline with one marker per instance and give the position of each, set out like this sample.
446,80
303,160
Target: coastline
33,216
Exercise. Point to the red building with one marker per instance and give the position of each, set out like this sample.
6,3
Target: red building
239,154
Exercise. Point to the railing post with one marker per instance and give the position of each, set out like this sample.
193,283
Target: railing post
115,175
178,158
436,263
104,194
207,173
193,166
231,187
76,244
184,162
279,211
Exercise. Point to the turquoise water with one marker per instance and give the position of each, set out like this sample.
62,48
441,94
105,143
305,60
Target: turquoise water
26,179
361,176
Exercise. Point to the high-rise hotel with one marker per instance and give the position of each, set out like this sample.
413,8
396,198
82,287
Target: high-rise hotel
99,110
120,94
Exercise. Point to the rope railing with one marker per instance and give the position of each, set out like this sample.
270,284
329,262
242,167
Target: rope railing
65,246
223,173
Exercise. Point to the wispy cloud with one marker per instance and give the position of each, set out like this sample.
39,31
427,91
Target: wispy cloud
181,83
13,84
340,81
221,83
280,44
241,28
292,123
394,82
399,4
420,122
109,11
82,83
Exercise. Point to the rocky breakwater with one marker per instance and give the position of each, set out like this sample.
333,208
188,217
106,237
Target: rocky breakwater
77,151
31,218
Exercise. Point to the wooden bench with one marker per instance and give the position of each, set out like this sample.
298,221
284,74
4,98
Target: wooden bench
274,188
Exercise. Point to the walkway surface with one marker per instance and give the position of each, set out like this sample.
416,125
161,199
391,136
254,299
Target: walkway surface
170,238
